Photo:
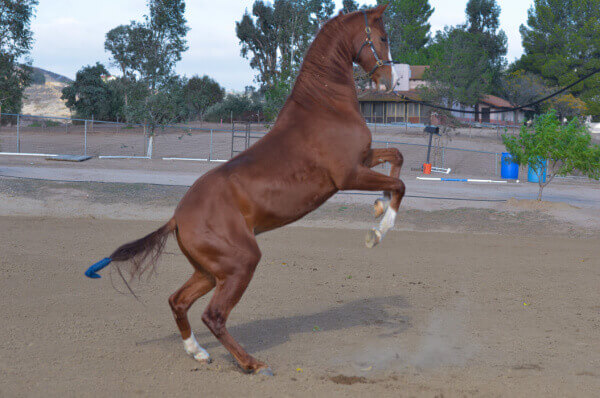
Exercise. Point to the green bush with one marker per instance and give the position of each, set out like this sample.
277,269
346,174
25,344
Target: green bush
566,147
241,107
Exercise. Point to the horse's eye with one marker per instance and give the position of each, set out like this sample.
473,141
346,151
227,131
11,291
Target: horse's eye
384,39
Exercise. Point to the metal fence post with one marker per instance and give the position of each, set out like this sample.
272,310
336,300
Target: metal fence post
232,137
386,165
85,138
210,146
18,137
444,157
496,163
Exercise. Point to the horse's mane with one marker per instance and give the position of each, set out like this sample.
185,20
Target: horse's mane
326,63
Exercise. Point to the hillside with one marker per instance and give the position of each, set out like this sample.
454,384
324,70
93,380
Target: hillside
43,96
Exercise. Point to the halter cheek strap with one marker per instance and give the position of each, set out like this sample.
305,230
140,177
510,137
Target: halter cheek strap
368,42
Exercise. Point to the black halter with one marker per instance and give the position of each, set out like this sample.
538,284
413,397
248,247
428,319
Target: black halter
369,42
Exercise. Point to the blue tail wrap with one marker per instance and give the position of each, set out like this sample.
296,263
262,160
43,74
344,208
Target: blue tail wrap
92,271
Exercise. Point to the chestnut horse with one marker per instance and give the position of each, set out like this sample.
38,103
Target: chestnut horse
319,145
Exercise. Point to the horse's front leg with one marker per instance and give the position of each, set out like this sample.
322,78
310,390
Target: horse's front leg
395,159
365,179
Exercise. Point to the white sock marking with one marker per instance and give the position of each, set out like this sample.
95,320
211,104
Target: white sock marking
192,347
388,221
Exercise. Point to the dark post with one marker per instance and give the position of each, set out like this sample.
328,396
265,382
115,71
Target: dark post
431,130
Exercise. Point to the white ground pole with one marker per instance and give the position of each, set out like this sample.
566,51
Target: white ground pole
43,155
441,170
463,180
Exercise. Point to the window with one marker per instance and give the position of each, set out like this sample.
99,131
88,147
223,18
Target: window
365,108
378,112
395,112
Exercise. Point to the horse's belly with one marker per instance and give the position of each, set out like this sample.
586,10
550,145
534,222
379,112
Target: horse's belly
279,208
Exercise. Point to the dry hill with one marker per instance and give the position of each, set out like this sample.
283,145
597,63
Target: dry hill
43,96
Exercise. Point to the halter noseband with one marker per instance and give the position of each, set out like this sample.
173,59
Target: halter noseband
369,42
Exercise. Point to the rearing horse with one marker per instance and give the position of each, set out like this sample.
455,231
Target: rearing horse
319,145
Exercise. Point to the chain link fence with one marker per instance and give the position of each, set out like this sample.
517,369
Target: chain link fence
36,135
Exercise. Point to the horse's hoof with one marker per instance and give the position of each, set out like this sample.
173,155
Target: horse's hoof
373,238
380,206
202,358
264,372
207,361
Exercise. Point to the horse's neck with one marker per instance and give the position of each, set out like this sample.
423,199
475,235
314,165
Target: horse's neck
326,80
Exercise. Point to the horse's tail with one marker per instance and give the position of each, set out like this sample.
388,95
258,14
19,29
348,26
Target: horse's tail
142,254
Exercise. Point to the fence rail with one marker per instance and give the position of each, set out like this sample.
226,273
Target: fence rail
32,135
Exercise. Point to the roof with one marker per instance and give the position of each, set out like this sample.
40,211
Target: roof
403,96
496,102
393,96
417,71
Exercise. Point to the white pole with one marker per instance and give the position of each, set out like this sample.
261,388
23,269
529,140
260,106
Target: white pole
18,137
149,152
85,139
211,145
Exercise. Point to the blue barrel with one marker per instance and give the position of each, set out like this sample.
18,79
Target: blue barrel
533,172
509,170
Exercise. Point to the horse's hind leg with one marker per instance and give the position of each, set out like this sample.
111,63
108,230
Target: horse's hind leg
237,268
395,159
197,286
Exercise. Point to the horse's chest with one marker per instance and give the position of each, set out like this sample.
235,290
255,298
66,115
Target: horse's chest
358,142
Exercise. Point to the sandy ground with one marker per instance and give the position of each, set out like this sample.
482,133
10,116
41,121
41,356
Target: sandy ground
499,301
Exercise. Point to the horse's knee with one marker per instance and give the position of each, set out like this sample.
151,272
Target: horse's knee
173,302
401,188
177,307
215,321
398,158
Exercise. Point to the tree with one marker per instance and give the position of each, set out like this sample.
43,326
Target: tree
118,42
567,106
565,147
151,48
16,40
200,93
236,106
90,96
483,22
275,37
276,95
157,107
459,72
146,53
164,39
407,25
562,43
522,88
349,6
467,60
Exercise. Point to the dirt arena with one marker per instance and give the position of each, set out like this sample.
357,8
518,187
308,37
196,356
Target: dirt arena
508,306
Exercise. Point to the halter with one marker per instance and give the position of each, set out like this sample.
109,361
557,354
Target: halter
369,42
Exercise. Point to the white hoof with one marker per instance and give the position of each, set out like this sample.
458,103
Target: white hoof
194,350
373,238
375,235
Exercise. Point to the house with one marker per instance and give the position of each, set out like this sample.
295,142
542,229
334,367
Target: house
399,106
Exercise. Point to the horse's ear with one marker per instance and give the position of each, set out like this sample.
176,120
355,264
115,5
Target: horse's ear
341,12
378,11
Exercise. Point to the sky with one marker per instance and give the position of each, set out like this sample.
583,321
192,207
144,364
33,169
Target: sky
70,34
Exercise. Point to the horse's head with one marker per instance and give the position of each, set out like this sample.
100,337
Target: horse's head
372,48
